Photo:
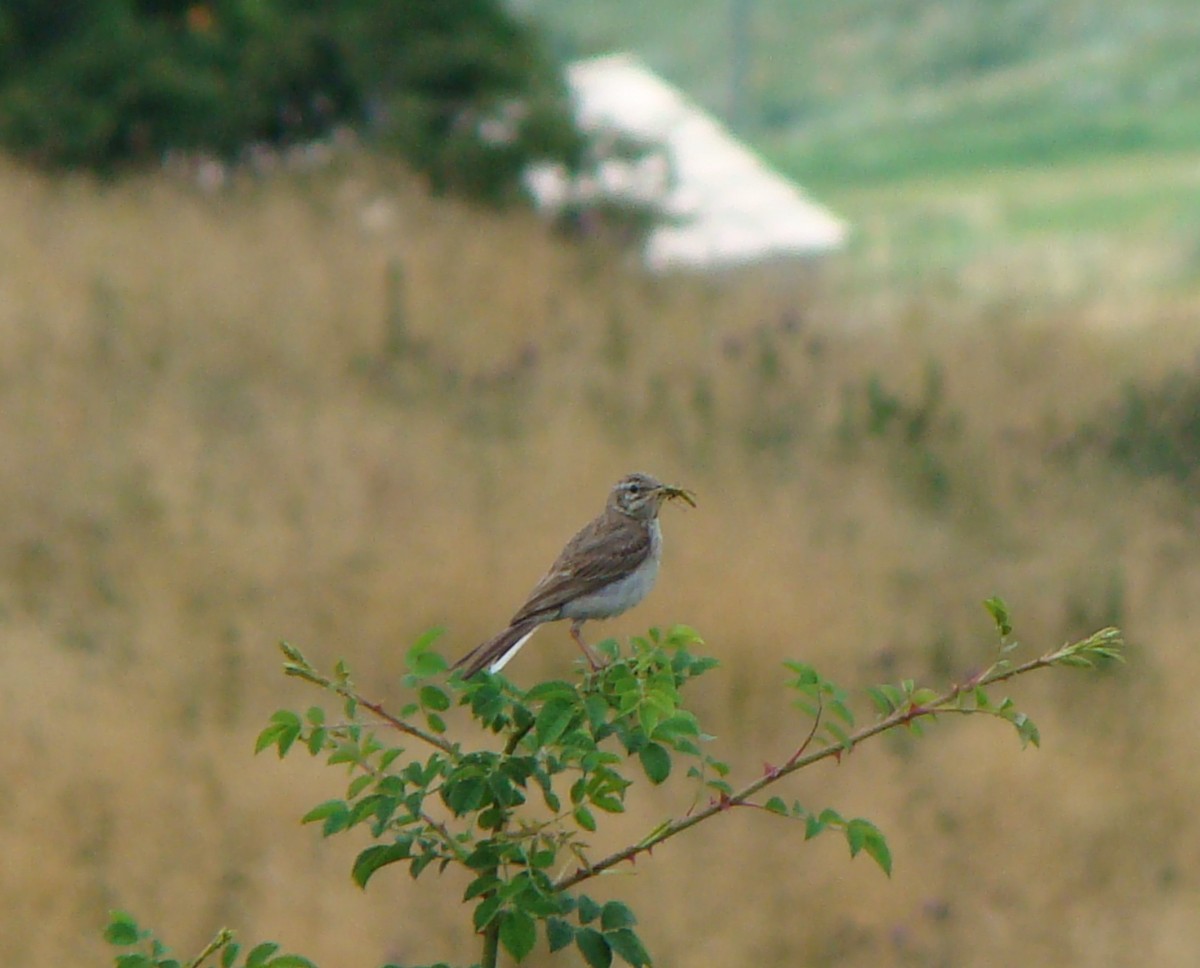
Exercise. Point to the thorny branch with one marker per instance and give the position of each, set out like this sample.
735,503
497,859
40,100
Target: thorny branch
1000,672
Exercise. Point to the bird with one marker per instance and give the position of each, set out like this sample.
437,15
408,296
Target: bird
605,569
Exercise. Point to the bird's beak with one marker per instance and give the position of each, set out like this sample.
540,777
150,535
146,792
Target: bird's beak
669,492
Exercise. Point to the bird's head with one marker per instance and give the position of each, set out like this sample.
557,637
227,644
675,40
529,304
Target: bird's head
640,496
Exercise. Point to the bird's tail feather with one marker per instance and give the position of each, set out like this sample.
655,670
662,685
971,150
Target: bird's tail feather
495,653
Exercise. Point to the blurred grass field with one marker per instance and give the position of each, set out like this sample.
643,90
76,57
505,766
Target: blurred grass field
329,408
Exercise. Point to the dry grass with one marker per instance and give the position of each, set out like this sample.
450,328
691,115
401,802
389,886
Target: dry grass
206,450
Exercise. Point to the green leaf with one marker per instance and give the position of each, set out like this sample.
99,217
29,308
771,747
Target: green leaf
843,713
291,653
553,720
682,723
518,933
122,929
260,953
559,934
553,689
360,783
999,612
615,915
229,954
481,885
1027,730
607,802
323,810
373,858
316,740
876,846
809,709
347,752
490,818
463,796
281,733
776,805
436,723
333,813
922,697
434,698
880,699
420,661
650,714
842,737
594,947
681,636
583,817
486,910
589,910
863,835
289,961
484,857
856,834
718,766
135,961
609,648
597,711
505,791
628,945
656,761
812,826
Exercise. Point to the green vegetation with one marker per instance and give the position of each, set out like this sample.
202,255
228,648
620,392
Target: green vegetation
518,820
1152,430
966,143
109,84
863,91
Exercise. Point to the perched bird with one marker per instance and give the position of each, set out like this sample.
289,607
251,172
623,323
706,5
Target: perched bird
606,569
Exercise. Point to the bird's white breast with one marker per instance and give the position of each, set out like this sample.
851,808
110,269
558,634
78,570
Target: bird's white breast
621,595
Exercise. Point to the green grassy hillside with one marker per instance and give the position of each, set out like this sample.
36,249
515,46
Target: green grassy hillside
866,90
974,147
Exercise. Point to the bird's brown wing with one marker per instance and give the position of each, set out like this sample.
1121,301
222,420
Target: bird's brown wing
606,549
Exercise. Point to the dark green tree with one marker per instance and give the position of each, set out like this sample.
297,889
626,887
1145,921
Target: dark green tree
465,91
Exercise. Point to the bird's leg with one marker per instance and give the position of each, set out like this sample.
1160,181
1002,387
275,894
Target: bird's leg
595,661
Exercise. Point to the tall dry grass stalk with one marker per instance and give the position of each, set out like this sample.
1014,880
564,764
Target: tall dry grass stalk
332,409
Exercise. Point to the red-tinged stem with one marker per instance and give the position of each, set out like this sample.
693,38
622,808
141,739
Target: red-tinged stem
807,739
399,724
899,717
